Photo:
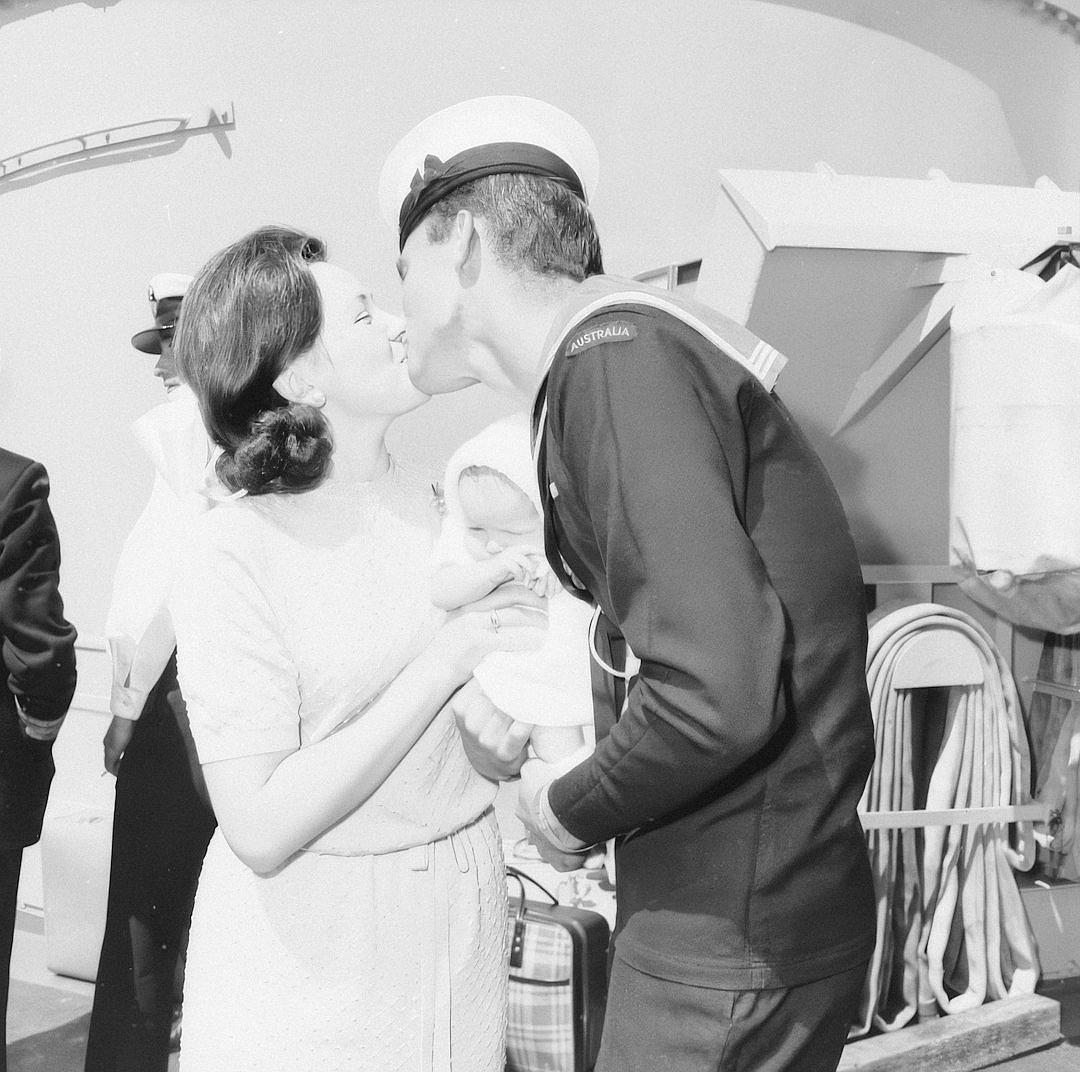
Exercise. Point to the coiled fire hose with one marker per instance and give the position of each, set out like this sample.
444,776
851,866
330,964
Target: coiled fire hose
947,814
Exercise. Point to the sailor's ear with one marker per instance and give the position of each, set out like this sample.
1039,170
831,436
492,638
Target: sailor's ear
467,247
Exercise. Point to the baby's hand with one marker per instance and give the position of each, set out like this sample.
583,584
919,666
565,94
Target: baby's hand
516,564
544,583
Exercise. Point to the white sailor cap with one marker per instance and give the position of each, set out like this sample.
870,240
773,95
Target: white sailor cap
165,293
483,136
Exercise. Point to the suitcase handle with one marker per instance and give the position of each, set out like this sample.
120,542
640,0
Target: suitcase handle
520,876
517,939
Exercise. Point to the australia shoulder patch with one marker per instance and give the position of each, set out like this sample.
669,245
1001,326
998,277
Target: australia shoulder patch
596,334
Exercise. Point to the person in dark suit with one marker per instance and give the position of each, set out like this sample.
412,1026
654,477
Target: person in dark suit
39,663
162,820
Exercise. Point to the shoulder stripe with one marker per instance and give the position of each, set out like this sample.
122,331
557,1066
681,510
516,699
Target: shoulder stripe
756,355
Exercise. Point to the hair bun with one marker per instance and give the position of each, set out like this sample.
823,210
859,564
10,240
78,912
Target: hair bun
287,450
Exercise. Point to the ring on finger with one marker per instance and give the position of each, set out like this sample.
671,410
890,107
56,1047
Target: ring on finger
495,620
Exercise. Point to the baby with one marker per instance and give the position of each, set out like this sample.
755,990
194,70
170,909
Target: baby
493,533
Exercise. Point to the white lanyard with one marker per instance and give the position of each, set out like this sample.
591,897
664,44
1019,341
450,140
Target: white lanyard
633,663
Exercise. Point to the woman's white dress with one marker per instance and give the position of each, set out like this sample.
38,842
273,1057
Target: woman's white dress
381,946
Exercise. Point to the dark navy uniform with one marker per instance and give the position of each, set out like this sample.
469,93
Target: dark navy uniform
38,648
683,499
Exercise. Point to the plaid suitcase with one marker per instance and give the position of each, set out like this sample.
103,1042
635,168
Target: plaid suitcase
558,984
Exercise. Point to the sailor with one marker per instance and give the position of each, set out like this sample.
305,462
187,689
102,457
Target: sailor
683,501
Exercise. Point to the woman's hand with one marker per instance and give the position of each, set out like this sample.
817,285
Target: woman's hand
510,618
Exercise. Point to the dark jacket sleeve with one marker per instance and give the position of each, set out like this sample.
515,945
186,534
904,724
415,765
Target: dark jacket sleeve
654,453
38,643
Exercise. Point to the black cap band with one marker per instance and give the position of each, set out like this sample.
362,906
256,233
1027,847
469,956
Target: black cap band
440,179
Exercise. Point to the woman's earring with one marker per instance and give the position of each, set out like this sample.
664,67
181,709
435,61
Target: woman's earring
317,399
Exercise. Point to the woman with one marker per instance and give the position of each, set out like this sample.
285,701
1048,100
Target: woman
350,913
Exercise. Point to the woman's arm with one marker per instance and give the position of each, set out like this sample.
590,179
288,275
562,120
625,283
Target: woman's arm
269,806
456,583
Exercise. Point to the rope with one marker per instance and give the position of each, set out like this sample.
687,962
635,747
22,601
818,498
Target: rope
951,928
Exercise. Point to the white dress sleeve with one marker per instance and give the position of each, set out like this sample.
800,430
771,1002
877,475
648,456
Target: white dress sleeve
238,679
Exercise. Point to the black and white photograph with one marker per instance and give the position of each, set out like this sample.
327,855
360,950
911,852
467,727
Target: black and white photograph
540,536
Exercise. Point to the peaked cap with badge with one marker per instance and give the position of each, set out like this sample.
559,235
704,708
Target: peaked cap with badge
483,136
165,292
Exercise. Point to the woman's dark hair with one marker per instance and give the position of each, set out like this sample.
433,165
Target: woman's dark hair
252,309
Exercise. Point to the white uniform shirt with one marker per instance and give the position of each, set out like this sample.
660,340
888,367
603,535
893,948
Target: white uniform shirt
138,627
